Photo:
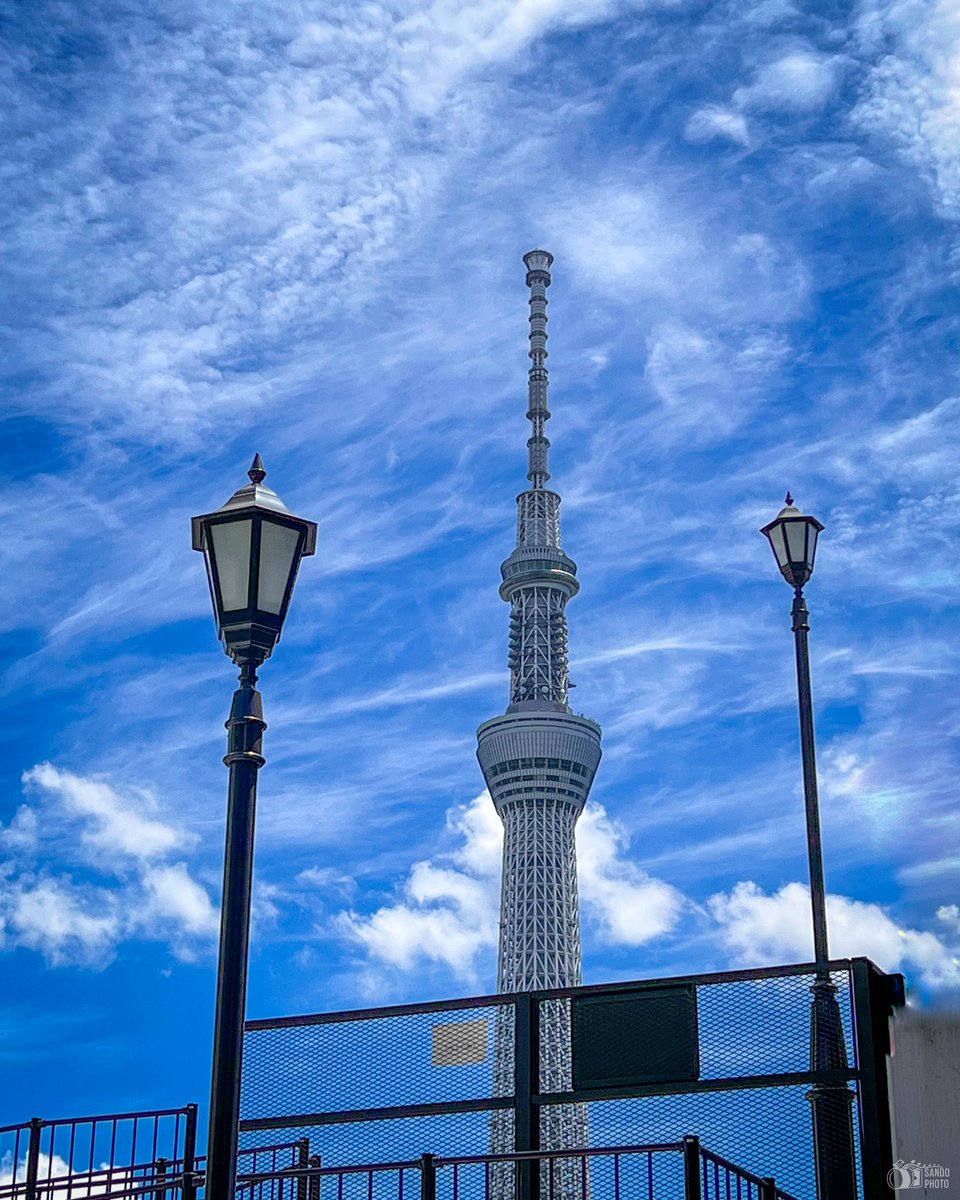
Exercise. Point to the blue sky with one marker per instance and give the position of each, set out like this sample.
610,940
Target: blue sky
297,229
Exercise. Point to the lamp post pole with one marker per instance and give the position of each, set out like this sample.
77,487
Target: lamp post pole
818,900
253,546
793,537
244,743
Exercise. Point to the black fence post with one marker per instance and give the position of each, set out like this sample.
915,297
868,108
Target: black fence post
692,1177
313,1192
873,999
428,1177
190,1153
768,1189
33,1157
160,1178
303,1162
526,1083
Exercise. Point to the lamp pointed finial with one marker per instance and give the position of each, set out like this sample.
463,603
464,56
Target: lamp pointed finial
789,497
257,473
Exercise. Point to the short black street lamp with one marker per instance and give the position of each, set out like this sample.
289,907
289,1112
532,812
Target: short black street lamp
253,547
793,537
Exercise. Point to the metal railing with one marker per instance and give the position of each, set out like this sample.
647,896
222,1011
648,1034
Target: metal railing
122,1156
115,1154
656,1171
288,1171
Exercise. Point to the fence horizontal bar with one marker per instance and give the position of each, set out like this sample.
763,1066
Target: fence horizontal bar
96,1175
745,975
66,1185
312,1172
372,1014
682,1087
534,1155
349,1116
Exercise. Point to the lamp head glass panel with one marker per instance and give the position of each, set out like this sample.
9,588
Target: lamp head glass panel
793,538
252,547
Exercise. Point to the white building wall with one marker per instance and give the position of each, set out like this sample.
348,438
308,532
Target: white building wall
924,1084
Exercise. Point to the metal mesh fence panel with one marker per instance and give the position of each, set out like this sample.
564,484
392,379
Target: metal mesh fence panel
767,1131
379,1061
762,1026
715,1057
398,1139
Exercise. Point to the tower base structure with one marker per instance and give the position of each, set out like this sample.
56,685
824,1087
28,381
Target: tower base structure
538,764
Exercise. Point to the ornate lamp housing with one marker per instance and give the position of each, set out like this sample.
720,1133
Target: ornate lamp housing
252,547
793,538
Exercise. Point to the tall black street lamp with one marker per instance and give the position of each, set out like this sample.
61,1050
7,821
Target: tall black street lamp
793,537
253,547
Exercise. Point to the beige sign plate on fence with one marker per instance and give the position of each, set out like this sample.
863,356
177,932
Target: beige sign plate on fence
460,1043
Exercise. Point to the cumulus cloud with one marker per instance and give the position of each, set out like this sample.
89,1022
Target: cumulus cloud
64,923
111,823
447,911
628,906
174,897
138,895
757,927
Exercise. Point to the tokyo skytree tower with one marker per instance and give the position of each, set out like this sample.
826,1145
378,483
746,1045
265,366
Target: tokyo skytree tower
539,758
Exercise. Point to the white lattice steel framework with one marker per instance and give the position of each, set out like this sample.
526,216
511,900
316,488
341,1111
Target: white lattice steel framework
539,760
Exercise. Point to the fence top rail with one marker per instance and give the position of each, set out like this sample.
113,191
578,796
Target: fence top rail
97,1118
745,975
372,1014
747,1176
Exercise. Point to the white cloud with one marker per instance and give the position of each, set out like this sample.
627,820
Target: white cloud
41,908
690,369
950,915
173,897
58,920
21,834
111,823
328,879
912,91
800,81
683,260
445,40
448,908
713,121
760,928
629,906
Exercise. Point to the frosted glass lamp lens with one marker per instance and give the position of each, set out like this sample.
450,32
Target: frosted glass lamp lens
278,547
796,540
779,543
231,552
813,533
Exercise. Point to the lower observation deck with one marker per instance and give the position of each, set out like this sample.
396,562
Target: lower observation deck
534,753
